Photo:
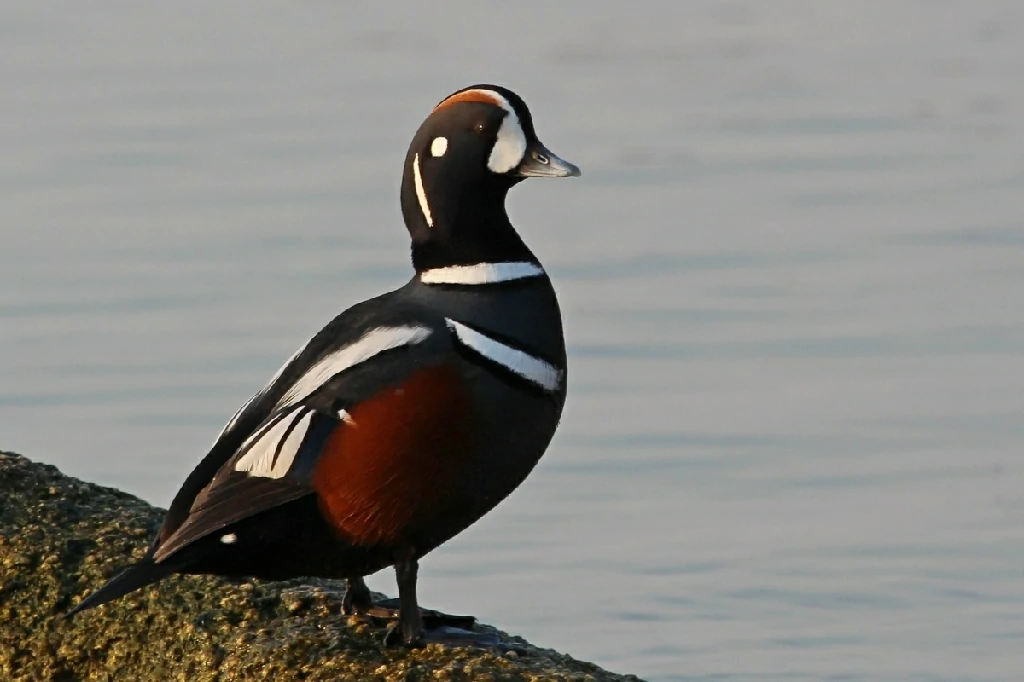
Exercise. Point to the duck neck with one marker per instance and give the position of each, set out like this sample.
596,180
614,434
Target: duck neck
465,233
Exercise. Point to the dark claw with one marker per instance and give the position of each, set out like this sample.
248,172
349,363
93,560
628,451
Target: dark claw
447,636
452,636
393,638
388,608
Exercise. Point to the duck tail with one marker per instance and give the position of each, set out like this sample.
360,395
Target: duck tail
145,572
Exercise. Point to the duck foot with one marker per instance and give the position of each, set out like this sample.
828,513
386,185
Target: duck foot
358,600
416,627
432,620
446,636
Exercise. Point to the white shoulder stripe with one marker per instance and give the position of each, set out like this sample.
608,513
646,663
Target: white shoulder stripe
272,453
371,343
533,369
481,273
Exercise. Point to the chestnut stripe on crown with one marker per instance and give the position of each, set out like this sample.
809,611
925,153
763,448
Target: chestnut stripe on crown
475,95
510,145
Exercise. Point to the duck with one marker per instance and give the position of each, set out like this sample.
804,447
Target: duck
410,415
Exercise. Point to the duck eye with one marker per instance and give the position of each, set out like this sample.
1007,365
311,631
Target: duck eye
480,128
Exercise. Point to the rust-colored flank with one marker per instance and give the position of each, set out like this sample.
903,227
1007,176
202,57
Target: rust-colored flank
470,96
391,472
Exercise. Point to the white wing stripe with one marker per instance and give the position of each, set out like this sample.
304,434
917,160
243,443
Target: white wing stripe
481,273
370,344
260,459
533,369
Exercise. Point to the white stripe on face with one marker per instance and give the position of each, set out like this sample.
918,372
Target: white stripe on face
533,369
510,147
481,273
421,194
371,343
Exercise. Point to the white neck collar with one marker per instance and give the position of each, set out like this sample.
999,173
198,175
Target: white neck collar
481,273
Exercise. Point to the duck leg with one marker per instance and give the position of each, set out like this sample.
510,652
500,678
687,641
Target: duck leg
410,629
357,597
359,601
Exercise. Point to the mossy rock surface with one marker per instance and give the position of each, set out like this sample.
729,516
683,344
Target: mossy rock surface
60,538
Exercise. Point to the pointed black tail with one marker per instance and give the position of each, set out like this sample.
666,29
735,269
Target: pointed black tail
132,578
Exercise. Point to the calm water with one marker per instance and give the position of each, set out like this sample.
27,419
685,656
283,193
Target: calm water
792,275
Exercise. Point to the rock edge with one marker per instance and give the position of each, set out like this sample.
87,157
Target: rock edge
61,538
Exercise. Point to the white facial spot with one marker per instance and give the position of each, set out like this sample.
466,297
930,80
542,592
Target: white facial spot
229,539
439,146
510,145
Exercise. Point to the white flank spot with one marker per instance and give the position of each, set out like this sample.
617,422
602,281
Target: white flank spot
346,417
542,373
229,539
259,460
481,273
373,342
421,194
439,146
234,420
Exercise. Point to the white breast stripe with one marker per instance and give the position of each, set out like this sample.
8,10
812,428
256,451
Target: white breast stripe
481,273
259,460
542,373
234,420
373,342
421,194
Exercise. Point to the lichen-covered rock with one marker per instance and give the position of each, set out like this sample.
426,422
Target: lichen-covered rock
61,538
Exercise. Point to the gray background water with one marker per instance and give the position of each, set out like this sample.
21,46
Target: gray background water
792,276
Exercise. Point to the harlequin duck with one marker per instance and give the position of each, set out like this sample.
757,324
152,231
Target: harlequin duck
410,415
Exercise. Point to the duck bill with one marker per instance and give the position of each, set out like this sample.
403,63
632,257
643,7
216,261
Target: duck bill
541,162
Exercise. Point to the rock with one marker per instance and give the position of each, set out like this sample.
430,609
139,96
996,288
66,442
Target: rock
61,538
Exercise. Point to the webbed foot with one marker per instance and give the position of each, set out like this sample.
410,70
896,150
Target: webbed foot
446,636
